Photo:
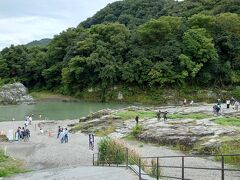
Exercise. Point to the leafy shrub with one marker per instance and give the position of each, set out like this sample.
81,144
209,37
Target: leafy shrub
137,130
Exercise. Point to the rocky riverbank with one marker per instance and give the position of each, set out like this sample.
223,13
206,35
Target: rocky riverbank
188,128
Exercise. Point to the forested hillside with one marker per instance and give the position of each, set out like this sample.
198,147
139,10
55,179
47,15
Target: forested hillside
42,42
144,43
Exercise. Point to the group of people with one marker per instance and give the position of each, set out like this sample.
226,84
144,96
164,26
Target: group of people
22,134
232,102
164,115
159,113
185,102
62,134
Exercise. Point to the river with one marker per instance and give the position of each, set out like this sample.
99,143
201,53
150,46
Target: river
56,110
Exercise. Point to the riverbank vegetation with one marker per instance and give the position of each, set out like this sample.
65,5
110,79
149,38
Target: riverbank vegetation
10,166
155,45
115,152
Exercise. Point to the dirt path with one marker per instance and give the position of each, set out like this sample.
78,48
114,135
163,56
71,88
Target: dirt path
151,150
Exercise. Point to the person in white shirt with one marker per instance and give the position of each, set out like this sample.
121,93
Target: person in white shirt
228,103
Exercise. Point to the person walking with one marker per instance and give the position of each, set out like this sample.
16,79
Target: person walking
24,132
59,131
30,120
159,115
27,134
165,116
66,135
136,119
62,136
91,141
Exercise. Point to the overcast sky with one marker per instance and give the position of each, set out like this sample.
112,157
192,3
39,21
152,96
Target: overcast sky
22,21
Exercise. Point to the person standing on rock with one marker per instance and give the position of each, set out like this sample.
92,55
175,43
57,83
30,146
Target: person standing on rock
232,101
165,116
159,115
136,119
185,102
236,105
228,103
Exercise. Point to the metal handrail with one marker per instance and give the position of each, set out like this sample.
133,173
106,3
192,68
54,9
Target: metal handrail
204,155
182,166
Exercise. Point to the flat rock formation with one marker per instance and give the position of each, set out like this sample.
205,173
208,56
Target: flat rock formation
185,132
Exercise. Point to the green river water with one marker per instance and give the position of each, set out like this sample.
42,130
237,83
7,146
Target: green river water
54,110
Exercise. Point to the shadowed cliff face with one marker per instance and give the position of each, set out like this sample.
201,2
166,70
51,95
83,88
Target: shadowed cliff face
15,94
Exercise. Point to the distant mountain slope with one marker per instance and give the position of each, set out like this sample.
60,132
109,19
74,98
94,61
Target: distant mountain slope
42,42
133,13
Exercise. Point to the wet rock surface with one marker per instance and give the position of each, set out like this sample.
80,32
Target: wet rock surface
15,94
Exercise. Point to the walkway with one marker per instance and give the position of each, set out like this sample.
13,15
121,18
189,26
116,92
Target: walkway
79,173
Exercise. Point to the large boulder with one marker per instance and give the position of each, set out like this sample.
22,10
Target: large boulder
15,93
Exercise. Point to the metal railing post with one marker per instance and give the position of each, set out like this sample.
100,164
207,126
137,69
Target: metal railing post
222,167
97,159
139,169
182,167
157,168
127,158
93,159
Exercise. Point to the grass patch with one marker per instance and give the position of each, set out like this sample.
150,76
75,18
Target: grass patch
228,121
195,116
76,128
137,130
9,166
130,137
106,131
230,147
125,115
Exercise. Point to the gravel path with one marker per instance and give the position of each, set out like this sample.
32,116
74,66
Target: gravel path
151,150
43,152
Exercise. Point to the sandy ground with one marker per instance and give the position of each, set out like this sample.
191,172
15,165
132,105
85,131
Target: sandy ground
44,151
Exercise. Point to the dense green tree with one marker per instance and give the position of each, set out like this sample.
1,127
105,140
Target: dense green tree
136,42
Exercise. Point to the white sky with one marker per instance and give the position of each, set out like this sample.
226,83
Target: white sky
22,21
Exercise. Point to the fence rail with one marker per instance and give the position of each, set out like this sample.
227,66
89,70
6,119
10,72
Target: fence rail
182,166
